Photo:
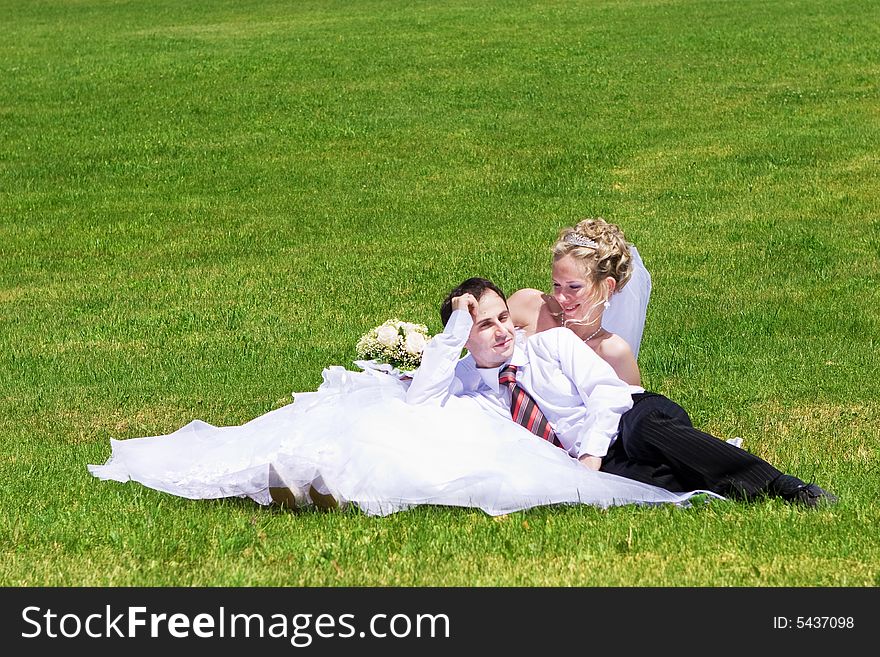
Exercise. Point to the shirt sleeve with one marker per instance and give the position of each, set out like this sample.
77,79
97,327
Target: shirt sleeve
434,382
606,397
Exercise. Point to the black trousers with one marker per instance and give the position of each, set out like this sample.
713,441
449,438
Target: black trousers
657,444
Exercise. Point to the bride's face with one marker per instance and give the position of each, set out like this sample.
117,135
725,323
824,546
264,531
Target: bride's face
492,336
572,291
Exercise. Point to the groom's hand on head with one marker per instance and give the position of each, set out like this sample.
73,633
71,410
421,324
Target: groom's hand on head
466,301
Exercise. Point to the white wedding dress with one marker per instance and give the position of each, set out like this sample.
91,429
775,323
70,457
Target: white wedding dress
358,440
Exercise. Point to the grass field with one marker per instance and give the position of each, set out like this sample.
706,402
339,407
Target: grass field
204,204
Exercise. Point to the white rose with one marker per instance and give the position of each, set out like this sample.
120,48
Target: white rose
386,335
415,342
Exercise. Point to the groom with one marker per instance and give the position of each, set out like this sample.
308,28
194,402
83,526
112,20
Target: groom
559,389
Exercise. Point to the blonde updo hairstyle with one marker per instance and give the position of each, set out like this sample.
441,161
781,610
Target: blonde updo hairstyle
610,257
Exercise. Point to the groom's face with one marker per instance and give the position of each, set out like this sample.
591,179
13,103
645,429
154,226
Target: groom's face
491,340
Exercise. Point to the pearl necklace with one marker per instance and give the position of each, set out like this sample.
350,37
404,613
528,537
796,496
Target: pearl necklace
593,334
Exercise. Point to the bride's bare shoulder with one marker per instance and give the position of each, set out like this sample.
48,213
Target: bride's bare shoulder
528,306
616,347
525,303
533,310
616,351
526,297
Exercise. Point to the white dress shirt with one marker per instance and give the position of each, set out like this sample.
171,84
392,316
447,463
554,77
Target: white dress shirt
578,392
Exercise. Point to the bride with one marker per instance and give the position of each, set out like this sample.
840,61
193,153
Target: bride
600,291
356,441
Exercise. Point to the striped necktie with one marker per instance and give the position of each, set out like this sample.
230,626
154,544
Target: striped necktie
523,408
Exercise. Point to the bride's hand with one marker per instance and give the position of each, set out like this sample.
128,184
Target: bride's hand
466,301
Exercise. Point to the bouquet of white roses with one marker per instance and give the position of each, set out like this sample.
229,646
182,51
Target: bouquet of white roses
399,344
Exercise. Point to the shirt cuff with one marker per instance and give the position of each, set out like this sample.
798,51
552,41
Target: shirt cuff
460,324
594,445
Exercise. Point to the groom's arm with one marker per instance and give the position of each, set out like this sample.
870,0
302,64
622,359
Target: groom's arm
605,397
434,382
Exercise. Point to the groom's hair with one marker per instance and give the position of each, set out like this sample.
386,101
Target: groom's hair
475,286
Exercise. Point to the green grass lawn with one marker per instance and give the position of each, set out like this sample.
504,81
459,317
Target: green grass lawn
204,204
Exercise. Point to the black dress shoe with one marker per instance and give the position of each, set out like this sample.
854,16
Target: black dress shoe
811,495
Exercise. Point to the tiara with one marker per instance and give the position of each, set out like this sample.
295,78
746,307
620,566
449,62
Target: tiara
580,240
